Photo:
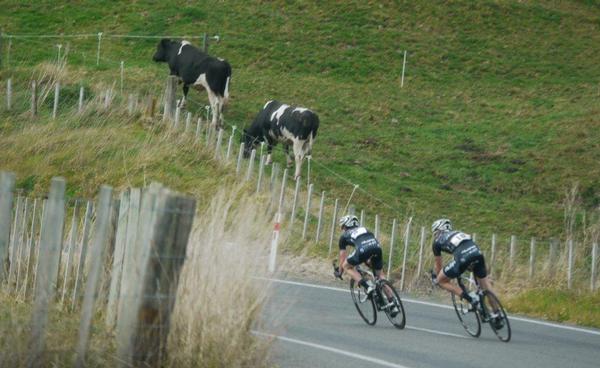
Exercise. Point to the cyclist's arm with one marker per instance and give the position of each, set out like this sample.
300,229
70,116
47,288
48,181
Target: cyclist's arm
438,264
343,256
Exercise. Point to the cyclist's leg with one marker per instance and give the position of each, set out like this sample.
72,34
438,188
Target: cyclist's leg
349,264
444,278
480,272
351,271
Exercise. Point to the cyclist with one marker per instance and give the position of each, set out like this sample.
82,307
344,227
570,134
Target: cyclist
466,255
366,250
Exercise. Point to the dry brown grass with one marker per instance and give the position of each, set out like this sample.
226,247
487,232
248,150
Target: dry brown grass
219,300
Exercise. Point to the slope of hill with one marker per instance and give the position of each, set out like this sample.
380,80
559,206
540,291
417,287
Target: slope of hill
497,117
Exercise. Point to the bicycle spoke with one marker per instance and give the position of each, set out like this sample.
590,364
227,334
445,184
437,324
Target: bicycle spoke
468,318
498,318
393,308
364,305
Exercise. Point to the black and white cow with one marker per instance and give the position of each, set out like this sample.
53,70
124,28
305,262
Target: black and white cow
199,70
292,126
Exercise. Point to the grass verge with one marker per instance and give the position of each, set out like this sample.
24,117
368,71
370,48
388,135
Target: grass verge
581,308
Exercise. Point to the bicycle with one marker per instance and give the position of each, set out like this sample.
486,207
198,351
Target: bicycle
471,318
368,306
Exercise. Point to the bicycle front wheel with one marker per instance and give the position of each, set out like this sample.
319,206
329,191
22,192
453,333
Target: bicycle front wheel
498,318
468,318
394,310
364,305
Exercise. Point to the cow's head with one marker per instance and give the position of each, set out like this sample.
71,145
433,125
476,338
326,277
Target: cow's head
162,50
249,143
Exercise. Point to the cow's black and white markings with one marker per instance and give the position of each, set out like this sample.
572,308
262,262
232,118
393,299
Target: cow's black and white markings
292,126
199,70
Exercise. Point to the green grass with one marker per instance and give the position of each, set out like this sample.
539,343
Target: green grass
582,308
498,115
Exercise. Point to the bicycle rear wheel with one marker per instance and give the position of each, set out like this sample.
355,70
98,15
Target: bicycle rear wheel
364,305
395,313
498,318
469,319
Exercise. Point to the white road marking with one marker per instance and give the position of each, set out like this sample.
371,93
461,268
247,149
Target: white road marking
435,332
350,354
408,300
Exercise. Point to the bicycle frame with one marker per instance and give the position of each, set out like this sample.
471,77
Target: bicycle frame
473,281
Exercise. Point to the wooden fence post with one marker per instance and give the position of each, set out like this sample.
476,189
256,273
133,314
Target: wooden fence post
8,93
239,159
85,237
72,243
493,256
15,239
99,244
188,122
175,124
392,240
320,219
273,185
552,256
117,265
376,226
30,248
56,98
129,255
570,264
22,245
333,225
421,246
307,211
80,101
34,98
250,165
261,169
531,258
277,227
198,129
50,247
7,185
593,272
218,147
406,240
294,203
362,217
170,98
166,221
513,249
230,143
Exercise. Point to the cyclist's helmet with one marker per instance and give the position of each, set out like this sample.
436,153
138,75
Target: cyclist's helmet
349,221
441,224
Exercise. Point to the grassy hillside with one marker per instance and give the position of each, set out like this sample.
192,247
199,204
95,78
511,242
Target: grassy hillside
497,117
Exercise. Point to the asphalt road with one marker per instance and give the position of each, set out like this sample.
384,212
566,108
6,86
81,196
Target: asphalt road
318,326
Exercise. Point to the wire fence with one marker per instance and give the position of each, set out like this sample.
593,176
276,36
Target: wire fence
51,92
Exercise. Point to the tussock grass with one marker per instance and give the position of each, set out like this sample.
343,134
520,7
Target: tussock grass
218,300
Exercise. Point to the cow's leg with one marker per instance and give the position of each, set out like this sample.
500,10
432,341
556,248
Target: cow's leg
186,89
212,98
288,156
299,156
220,103
269,150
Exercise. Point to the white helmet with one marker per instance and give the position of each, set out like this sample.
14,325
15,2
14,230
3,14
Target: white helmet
349,221
441,224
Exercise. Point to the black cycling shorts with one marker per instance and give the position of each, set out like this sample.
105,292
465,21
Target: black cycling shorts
363,254
466,256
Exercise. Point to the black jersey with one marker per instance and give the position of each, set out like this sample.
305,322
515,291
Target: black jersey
358,237
448,241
